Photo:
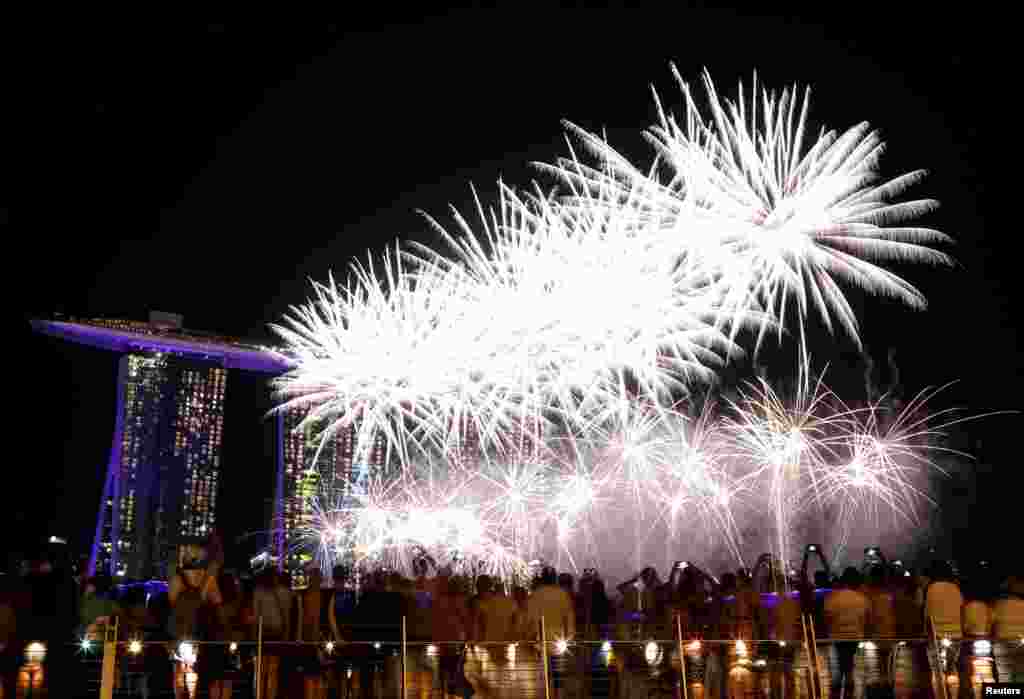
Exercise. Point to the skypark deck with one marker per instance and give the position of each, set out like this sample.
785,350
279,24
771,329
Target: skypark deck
136,337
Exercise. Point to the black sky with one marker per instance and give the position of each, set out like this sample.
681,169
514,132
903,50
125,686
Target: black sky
210,169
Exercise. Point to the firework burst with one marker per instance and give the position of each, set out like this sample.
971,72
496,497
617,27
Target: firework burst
677,486
522,379
764,214
787,447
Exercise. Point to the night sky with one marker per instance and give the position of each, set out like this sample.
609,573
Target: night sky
212,169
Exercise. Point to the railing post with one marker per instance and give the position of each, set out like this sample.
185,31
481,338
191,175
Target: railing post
259,658
812,657
109,661
682,655
938,658
814,645
807,651
403,659
544,658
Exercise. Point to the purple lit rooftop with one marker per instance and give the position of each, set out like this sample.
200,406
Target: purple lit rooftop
137,337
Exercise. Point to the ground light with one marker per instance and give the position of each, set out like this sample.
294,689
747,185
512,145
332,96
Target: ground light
35,652
187,652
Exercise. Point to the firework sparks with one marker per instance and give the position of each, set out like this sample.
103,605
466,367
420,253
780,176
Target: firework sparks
788,447
694,483
889,454
522,379
764,217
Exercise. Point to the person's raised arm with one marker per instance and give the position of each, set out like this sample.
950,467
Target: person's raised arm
704,575
816,550
623,588
765,559
824,563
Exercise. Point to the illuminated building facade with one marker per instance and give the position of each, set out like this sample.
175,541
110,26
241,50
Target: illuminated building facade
163,473
302,473
165,461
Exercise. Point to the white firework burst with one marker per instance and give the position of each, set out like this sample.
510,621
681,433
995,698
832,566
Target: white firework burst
787,448
539,272
881,478
765,214
395,359
522,378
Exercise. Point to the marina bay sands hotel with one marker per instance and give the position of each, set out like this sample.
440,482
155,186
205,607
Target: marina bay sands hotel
162,479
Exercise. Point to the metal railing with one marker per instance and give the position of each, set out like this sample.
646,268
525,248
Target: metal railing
622,661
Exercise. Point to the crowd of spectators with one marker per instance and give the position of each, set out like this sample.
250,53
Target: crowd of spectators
351,630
